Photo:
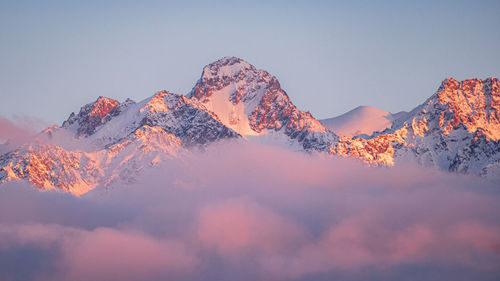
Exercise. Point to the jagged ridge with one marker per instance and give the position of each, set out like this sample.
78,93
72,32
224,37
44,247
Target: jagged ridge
127,137
456,129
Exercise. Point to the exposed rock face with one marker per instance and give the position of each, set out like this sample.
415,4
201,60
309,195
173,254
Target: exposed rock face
457,129
472,103
51,167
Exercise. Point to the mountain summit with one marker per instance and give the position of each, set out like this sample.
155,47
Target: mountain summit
457,129
252,103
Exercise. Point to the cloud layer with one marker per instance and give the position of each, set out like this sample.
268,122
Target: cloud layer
250,212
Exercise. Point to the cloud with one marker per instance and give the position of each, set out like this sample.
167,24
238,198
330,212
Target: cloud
237,226
100,254
111,254
252,212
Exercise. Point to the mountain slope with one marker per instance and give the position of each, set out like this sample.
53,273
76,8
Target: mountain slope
126,138
252,103
361,120
456,129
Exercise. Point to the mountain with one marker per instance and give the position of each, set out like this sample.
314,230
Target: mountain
361,120
106,121
125,138
252,103
457,129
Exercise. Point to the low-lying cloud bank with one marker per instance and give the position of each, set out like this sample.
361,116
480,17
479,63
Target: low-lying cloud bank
250,212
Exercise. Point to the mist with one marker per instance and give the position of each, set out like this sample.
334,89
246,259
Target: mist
243,211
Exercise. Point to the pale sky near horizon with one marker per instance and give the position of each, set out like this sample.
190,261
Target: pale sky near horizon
329,56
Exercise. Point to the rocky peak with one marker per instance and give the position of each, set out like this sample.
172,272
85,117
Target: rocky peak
228,71
102,106
251,102
226,67
93,115
471,103
448,83
474,91
161,101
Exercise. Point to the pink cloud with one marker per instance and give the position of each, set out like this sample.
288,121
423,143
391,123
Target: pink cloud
250,212
110,254
239,226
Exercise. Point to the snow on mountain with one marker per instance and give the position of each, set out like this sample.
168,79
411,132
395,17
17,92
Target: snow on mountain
51,167
176,114
361,120
125,138
252,103
457,129
94,115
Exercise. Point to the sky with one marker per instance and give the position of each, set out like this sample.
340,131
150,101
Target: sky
329,56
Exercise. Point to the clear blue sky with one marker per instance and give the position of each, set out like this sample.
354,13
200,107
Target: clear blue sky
330,56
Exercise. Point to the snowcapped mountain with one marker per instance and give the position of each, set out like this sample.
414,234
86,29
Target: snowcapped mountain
252,103
361,120
106,121
456,129
124,138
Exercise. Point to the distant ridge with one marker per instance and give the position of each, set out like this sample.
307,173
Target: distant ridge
360,120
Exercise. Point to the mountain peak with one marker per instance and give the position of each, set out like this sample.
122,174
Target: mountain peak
252,103
447,83
91,116
227,67
102,106
473,104
229,60
474,92
158,102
